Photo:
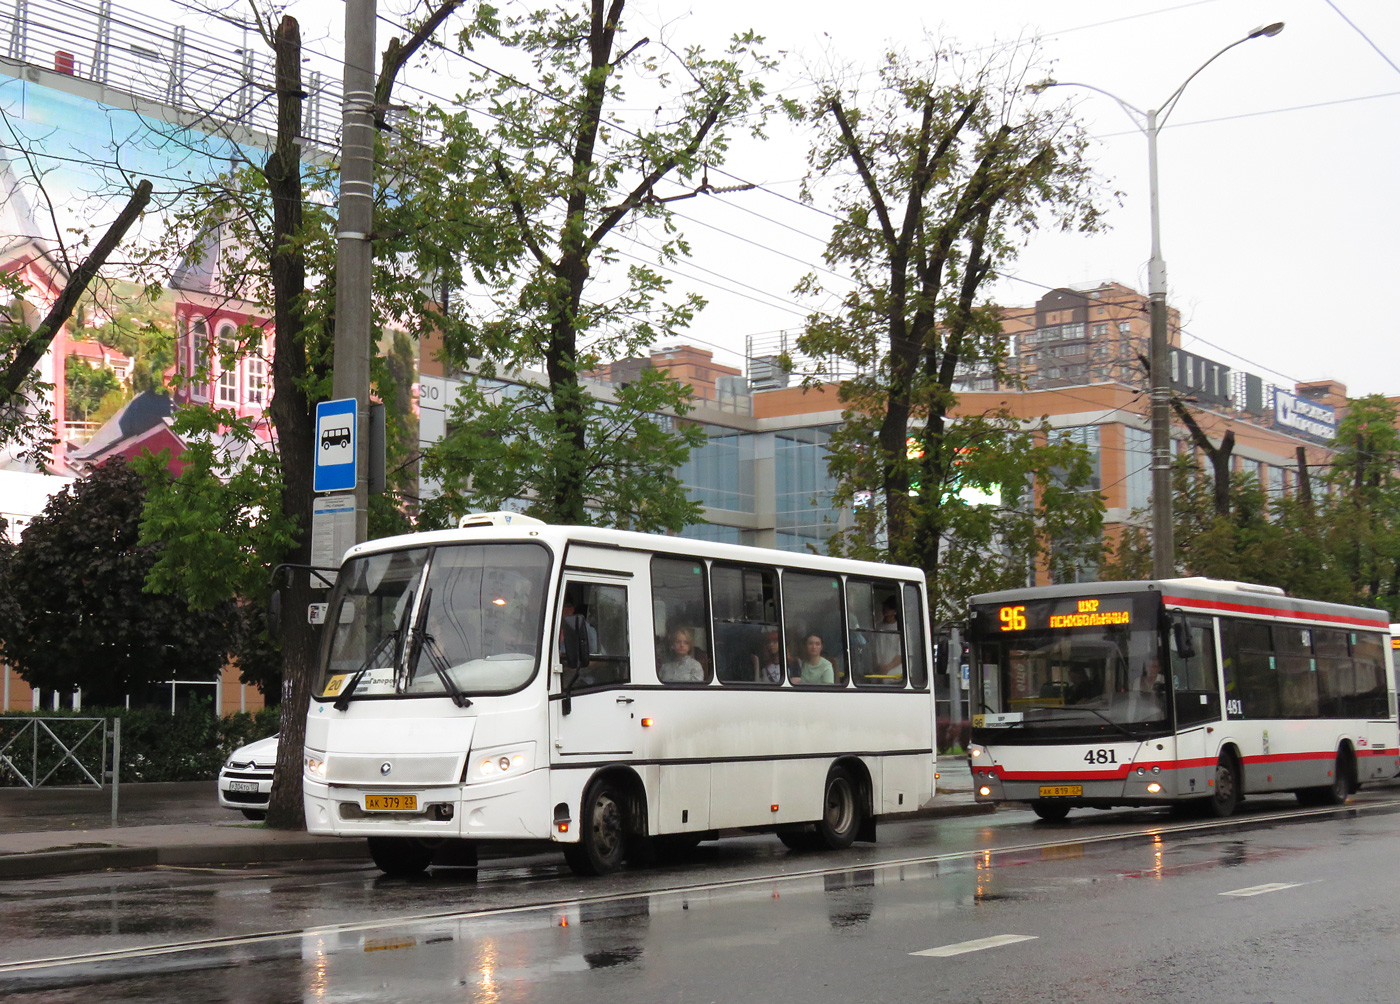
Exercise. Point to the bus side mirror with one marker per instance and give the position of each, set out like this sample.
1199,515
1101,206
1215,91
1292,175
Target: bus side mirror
1185,644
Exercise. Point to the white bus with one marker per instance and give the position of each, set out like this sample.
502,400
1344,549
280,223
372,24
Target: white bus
611,692
1179,690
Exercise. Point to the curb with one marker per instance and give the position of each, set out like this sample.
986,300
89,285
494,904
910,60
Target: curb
96,859
40,864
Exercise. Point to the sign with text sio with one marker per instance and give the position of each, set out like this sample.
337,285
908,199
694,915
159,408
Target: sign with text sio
335,446
1302,415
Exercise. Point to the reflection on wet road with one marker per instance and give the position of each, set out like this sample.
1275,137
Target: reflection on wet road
1112,906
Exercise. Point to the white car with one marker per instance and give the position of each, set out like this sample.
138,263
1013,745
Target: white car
245,782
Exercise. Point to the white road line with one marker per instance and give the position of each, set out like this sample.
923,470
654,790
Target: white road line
427,917
975,946
1259,890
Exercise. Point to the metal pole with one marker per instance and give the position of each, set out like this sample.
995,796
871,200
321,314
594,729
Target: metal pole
353,272
116,764
1163,545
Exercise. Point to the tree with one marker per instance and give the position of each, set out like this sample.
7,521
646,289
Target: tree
21,347
1361,513
562,174
86,387
77,615
234,515
934,181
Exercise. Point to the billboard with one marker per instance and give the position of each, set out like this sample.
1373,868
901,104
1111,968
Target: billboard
1298,414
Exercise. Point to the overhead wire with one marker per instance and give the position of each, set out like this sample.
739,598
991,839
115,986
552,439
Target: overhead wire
796,309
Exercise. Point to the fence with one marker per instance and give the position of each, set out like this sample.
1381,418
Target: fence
38,751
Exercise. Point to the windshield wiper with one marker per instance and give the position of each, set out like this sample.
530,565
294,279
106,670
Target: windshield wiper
422,640
396,636
1093,711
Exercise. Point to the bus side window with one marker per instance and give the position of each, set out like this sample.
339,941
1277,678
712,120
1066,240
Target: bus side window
679,618
1370,698
877,638
599,622
812,611
745,603
914,629
1194,680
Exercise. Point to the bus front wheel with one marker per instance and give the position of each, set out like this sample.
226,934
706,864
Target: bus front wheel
1051,812
1225,799
400,857
602,841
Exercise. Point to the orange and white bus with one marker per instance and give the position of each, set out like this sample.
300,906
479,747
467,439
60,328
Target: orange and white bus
1179,690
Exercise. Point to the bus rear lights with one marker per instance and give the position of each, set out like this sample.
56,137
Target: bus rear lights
646,723
773,807
984,791
1154,788
562,827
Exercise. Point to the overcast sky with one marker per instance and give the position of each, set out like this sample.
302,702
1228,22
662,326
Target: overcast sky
1277,169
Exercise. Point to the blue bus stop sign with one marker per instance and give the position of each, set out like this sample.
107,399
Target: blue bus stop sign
335,446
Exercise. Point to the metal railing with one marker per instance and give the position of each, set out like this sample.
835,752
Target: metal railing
167,64
35,753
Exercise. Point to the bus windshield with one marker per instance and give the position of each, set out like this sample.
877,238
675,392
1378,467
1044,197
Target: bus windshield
462,619
1071,666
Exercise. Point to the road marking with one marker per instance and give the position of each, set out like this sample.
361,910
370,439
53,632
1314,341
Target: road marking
430,917
976,946
1259,890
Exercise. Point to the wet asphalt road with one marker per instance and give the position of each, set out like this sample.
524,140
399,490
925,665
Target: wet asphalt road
1280,905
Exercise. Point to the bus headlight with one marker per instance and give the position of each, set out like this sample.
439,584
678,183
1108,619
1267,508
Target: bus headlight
493,764
316,765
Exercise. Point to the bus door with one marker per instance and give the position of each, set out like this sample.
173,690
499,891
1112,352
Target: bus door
1195,698
592,713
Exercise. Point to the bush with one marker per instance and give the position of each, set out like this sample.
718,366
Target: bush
190,745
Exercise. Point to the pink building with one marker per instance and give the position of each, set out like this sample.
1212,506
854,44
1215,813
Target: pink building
211,324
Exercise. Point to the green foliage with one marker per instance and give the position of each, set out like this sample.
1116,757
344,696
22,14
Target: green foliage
26,418
497,455
220,529
937,173
1344,547
78,616
190,745
85,387
557,182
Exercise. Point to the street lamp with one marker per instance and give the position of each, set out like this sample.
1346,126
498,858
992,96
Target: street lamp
1150,123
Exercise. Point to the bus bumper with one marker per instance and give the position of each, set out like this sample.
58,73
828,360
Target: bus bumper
496,810
1141,787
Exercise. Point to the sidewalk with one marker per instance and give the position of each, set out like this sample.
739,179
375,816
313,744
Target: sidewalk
54,831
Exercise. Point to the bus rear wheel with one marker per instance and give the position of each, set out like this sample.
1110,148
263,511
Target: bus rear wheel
400,857
842,812
602,841
1225,799
1051,812
1335,793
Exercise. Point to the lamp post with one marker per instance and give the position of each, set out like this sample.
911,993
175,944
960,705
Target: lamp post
1150,123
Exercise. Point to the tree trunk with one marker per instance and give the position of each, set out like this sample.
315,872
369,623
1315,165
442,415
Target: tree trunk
1304,481
291,415
33,350
1219,456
